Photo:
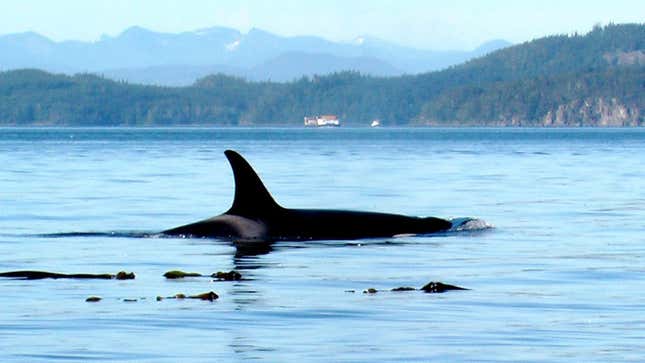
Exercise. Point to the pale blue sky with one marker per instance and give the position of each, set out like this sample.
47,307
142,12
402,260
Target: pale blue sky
429,24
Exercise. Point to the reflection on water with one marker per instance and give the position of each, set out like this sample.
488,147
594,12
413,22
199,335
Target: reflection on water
246,253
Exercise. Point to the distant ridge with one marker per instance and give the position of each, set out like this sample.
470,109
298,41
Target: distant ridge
139,55
596,79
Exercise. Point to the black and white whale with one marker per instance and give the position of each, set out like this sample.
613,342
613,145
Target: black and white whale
255,215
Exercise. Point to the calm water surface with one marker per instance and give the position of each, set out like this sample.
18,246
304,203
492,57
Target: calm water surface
559,278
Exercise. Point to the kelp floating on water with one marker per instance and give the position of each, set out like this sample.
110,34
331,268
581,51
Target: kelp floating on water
177,274
432,287
209,296
221,276
439,287
227,276
37,275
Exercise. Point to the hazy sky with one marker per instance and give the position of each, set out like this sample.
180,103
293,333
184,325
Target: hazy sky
430,24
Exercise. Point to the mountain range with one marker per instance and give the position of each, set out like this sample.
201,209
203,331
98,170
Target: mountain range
593,79
139,55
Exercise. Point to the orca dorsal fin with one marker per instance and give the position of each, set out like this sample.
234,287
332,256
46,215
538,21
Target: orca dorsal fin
252,198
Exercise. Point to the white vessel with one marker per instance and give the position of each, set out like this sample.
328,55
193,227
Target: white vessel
322,121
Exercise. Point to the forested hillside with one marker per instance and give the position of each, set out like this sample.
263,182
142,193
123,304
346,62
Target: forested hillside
596,79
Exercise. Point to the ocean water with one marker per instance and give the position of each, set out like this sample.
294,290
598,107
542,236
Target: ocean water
560,277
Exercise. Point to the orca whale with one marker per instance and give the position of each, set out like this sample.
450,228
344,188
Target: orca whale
255,215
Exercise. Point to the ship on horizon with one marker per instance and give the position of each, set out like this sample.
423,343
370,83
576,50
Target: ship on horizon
322,121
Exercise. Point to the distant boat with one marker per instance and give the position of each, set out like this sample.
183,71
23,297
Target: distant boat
322,121
375,123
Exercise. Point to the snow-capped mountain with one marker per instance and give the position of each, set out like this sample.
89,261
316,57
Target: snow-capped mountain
144,56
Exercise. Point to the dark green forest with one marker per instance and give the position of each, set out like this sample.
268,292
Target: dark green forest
596,79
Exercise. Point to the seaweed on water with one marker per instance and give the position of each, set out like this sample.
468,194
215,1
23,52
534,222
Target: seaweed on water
177,274
37,275
439,287
210,296
227,276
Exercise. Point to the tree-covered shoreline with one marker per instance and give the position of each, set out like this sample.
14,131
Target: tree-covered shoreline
597,79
